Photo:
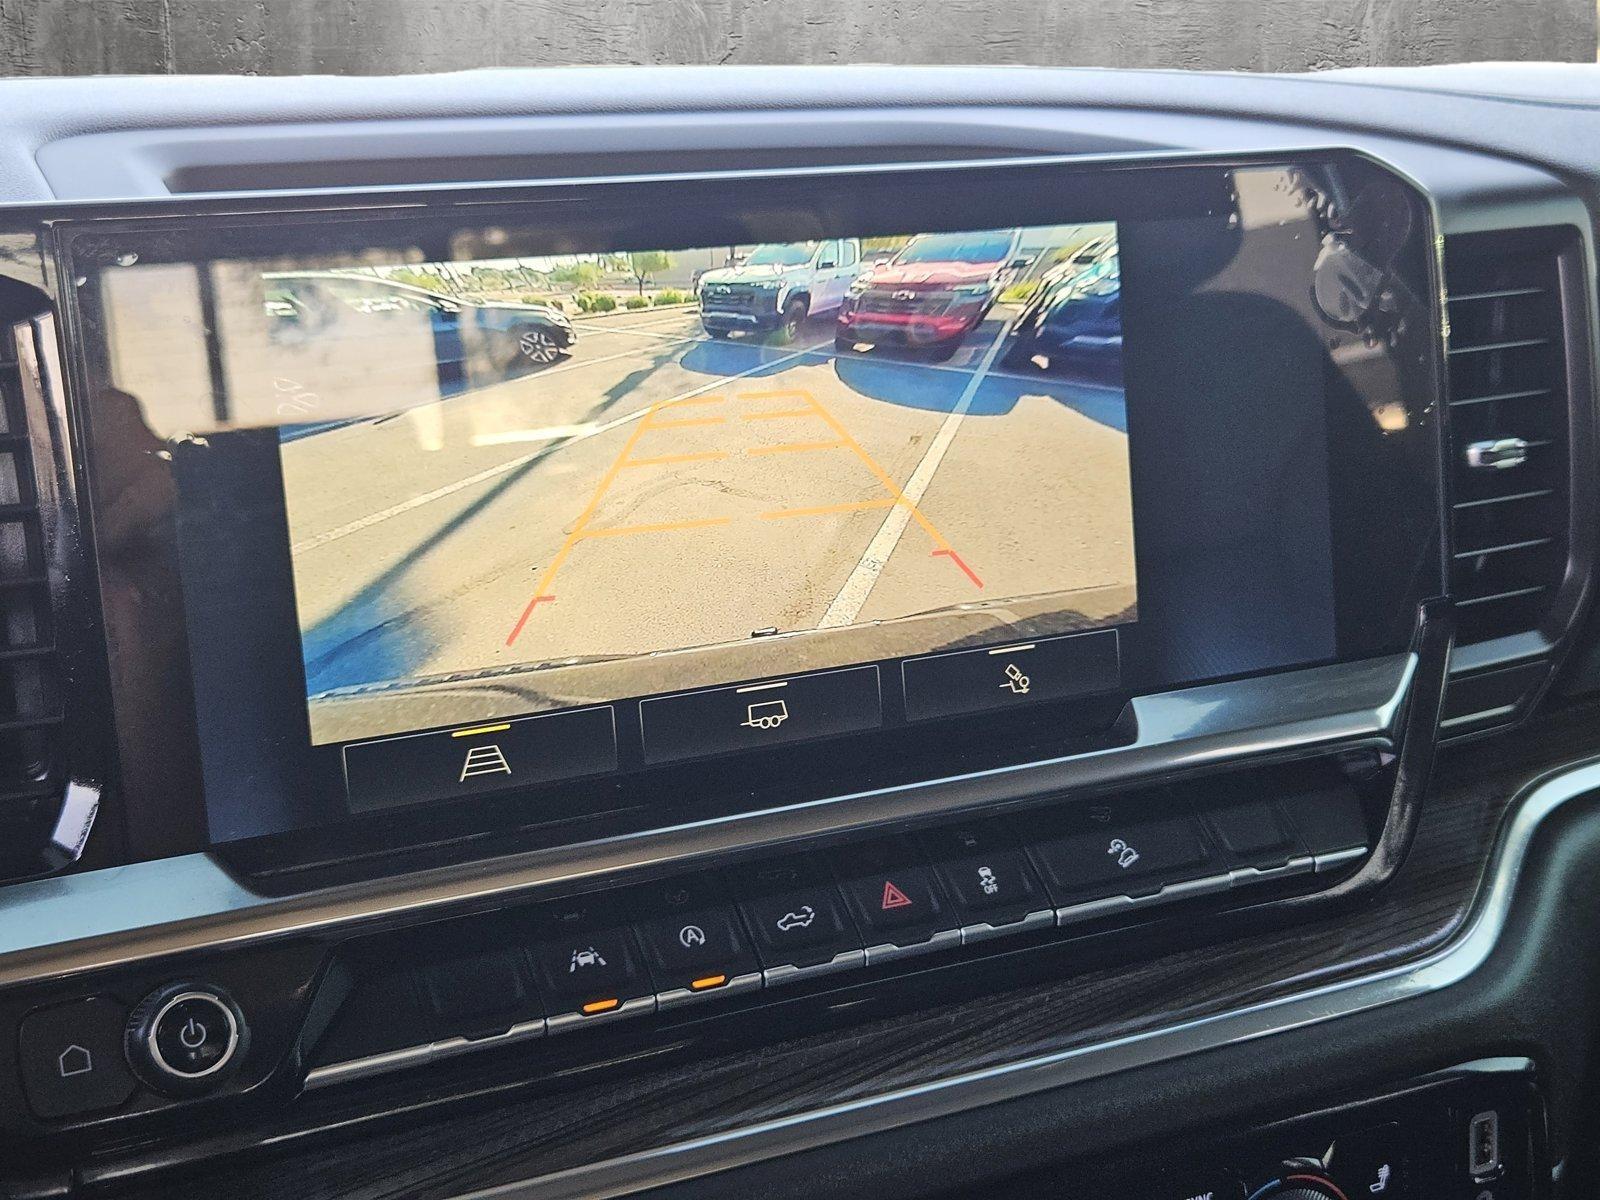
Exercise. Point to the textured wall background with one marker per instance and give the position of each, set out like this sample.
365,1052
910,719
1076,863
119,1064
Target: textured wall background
48,37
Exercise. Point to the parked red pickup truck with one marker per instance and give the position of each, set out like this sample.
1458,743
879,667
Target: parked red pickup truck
932,293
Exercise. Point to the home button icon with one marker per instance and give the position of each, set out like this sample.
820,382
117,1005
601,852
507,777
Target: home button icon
74,1060
70,1058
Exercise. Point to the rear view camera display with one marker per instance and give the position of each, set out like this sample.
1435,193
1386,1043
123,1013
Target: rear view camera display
719,494
608,476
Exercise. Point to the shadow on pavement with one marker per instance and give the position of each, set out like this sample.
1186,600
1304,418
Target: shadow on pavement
379,634
738,356
913,385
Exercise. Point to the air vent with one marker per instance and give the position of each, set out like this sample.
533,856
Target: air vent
1509,431
32,783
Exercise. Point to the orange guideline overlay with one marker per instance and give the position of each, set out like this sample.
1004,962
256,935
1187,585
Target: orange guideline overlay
625,461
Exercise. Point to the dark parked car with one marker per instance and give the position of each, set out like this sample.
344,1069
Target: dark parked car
1072,324
315,303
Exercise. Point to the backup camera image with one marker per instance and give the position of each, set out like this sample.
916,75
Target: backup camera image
536,484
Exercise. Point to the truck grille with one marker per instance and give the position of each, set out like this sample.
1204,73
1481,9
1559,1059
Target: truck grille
904,303
742,300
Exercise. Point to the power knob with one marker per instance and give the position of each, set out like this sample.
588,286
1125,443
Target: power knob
1301,1186
186,1038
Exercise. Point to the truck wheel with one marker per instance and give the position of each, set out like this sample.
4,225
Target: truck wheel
720,334
794,316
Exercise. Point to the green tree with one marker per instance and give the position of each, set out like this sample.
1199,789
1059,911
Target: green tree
642,264
580,276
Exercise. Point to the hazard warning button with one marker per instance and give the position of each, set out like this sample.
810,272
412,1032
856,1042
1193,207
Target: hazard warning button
892,893
893,897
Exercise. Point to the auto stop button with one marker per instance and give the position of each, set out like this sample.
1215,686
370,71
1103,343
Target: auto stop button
184,1038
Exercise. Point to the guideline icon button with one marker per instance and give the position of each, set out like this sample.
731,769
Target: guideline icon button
517,752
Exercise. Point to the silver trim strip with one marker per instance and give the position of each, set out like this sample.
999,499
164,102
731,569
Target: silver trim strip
944,939
1250,876
1444,968
393,1060
1070,914
737,985
53,928
1044,918
1334,859
846,960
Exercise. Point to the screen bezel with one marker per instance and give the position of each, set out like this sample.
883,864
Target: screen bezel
1380,575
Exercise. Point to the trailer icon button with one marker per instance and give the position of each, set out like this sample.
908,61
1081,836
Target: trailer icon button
766,714
726,720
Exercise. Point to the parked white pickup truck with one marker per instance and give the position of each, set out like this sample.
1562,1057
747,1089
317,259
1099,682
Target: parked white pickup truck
778,286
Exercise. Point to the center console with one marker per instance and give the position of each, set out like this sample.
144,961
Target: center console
927,571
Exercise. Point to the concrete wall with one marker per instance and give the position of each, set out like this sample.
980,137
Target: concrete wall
48,37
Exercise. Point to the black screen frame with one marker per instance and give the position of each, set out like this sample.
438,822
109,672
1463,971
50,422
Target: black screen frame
1390,557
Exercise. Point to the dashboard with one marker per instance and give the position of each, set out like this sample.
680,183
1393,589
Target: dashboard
953,630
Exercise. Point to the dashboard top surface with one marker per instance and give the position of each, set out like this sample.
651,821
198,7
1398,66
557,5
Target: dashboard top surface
46,116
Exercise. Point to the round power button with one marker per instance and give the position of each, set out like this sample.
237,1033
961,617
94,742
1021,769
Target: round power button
184,1038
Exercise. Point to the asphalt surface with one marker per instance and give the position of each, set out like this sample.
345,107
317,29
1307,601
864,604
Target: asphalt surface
660,491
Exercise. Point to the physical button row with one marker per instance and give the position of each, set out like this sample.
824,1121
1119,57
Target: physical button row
683,941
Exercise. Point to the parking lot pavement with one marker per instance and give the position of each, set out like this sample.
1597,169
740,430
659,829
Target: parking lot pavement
661,490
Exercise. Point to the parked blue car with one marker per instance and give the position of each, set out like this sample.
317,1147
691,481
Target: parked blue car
1072,324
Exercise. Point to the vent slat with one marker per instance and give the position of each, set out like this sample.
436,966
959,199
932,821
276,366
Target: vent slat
1537,494
1524,394
1507,385
1495,347
1513,594
1496,294
1506,548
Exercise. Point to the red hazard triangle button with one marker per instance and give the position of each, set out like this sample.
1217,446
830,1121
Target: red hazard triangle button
893,897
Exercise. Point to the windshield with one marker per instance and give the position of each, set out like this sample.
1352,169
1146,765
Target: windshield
959,247
793,254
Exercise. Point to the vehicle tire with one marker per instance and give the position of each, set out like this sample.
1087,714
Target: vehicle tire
720,334
537,347
794,316
944,351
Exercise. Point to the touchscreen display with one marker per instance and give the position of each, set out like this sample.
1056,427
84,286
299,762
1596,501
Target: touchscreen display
596,476
608,498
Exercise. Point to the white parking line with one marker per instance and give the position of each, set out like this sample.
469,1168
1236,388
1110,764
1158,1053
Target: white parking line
847,605
586,432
